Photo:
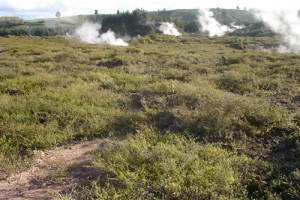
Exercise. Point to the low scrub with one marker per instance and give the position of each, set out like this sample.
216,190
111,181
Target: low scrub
151,166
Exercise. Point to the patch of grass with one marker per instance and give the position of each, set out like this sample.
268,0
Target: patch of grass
240,83
148,166
135,50
55,90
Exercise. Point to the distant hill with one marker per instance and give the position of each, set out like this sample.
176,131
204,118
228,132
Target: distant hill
185,15
137,22
227,16
224,16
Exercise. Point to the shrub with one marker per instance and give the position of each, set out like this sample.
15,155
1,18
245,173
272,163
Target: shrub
115,62
240,83
10,21
207,112
135,50
151,166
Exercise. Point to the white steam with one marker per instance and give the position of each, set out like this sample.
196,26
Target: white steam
89,32
235,26
169,29
285,23
210,24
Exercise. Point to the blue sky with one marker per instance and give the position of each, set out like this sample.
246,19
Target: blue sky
31,9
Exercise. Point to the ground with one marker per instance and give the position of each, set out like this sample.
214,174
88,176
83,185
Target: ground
33,183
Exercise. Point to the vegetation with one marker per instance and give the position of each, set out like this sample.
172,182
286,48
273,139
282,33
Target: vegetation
132,24
137,22
10,21
152,166
187,117
224,16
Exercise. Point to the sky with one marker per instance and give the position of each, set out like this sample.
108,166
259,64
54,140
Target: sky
33,9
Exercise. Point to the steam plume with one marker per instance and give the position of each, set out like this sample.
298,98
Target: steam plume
169,29
210,24
89,32
235,26
285,23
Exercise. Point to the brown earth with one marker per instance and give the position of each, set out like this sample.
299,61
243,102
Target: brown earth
47,177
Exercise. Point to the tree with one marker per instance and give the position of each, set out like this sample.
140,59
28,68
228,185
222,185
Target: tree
96,12
131,24
58,14
237,7
223,13
192,27
10,21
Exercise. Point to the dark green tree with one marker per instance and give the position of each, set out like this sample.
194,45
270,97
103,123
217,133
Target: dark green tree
192,27
58,14
127,23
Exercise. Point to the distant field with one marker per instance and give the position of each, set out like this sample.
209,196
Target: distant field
177,108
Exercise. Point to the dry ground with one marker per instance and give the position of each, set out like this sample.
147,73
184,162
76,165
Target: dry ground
35,182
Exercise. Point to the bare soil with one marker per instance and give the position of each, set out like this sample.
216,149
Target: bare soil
46,178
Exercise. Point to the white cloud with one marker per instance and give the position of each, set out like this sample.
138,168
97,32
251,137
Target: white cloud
31,5
71,7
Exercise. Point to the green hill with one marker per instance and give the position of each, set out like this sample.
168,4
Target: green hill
185,15
225,16
132,23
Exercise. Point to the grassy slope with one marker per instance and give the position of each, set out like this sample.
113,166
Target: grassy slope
70,19
54,90
231,15
183,14
186,15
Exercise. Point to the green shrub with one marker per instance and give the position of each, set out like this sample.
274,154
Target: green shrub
10,21
207,112
135,50
234,115
151,166
145,40
240,83
115,62
124,82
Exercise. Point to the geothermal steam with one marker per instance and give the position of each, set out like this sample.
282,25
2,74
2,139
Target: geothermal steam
89,32
285,23
169,29
210,24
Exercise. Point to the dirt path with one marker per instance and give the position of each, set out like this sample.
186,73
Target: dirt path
40,181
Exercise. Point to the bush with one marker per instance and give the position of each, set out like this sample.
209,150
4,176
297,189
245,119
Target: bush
135,50
240,83
151,166
207,112
10,21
